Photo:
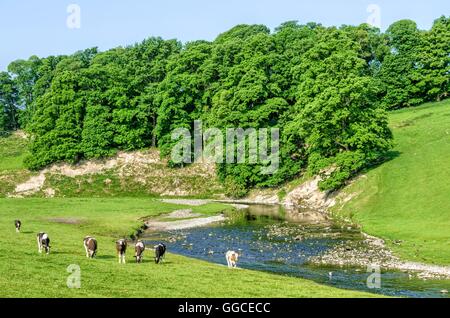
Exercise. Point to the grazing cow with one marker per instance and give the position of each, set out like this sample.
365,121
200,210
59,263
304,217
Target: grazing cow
18,224
121,247
139,249
43,242
232,258
90,245
160,251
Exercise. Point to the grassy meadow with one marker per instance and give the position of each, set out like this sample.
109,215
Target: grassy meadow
407,199
29,274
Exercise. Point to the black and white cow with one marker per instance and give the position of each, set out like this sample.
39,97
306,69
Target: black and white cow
160,251
18,225
90,245
121,247
139,249
43,242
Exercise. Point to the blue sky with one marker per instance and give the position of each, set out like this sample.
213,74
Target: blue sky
30,27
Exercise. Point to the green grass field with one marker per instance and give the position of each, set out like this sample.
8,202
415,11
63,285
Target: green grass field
408,198
25,273
13,150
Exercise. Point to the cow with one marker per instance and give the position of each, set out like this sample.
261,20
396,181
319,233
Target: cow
139,249
90,245
43,242
18,224
160,251
232,258
121,247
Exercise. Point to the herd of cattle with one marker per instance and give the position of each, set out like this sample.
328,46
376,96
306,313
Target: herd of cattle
90,246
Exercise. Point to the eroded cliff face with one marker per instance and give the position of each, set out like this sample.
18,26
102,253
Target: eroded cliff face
308,194
140,172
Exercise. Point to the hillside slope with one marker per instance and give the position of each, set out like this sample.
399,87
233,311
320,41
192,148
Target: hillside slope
139,173
407,199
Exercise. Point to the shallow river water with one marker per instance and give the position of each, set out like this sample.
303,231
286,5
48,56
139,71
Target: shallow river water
269,239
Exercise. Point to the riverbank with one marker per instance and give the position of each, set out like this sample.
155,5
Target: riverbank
373,251
366,251
406,200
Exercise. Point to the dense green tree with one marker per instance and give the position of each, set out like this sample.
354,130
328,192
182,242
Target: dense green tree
434,61
399,71
180,94
325,88
57,122
25,74
337,119
8,104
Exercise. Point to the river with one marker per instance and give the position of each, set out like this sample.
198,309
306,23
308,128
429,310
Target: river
272,240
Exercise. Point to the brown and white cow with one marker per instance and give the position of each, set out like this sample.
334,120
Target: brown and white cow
121,247
18,225
139,249
90,245
43,242
232,258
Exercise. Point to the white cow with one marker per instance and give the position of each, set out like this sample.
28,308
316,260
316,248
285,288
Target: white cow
232,258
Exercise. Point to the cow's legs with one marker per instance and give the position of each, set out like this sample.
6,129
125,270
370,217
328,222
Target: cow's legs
39,245
121,258
86,249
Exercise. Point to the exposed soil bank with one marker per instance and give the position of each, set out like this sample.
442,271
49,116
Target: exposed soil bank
141,170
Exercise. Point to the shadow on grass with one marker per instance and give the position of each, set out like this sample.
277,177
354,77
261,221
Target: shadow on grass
105,257
389,156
